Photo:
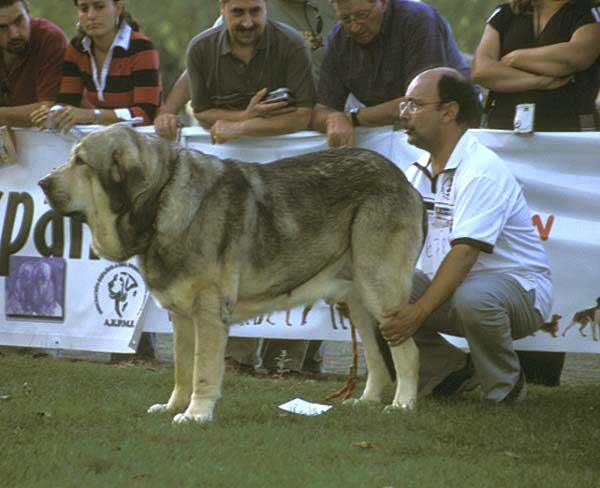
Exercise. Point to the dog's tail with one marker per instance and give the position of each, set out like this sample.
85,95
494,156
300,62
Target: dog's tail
386,353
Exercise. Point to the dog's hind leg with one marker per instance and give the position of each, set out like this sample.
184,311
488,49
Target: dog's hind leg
378,377
183,354
385,248
406,355
209,357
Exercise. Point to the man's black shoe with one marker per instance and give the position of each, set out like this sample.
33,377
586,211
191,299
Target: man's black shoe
456,382
518,392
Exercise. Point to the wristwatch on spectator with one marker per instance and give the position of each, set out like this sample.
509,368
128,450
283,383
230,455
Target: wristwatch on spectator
354,116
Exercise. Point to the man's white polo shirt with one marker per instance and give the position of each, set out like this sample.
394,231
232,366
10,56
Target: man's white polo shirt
477,201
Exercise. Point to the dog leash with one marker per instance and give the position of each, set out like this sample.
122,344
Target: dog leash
350,384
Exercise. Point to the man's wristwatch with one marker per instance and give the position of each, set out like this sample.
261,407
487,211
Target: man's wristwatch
97,114
354,116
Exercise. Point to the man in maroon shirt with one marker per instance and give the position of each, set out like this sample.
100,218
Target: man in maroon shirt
31,55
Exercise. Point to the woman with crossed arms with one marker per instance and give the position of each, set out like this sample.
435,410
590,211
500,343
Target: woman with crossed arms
544,52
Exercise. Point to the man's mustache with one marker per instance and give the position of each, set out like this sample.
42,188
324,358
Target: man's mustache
245,29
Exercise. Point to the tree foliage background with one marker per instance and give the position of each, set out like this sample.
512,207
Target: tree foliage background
172,24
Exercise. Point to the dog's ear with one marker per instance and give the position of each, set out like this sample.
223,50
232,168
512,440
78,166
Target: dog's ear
117,173
140,168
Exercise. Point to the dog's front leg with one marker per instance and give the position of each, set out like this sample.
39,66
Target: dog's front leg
209,358
183,355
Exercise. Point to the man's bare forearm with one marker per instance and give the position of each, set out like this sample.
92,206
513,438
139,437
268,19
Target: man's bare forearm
319,116
281,124
376,116
452,272
179,96
19,116
379,115
207,118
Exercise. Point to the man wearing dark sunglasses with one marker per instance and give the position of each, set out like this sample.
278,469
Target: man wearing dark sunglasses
31,54
373,52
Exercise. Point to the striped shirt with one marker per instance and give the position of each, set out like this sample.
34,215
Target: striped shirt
129,79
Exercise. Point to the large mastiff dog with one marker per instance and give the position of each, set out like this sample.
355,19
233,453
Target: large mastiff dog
220,241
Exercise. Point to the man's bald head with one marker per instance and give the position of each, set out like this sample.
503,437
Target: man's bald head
452,86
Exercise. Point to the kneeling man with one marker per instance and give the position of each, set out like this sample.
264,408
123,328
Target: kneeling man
490,275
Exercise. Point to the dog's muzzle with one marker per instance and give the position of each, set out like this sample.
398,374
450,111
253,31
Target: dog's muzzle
58,200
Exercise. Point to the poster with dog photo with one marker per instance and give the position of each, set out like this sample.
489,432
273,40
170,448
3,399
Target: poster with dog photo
35,287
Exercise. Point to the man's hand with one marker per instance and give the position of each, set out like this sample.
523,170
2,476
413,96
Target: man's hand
165,125
265,110
224,131
402,323
340,131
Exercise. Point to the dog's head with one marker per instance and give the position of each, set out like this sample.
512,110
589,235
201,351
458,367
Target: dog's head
112,181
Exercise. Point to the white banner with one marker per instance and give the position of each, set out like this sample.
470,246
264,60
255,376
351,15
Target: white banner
97,305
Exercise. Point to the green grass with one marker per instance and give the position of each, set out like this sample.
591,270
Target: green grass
81,424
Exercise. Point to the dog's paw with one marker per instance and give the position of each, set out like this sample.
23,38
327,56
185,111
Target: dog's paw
360,402
184,418
160,407
400,408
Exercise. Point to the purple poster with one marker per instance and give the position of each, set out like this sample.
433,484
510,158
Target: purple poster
35,287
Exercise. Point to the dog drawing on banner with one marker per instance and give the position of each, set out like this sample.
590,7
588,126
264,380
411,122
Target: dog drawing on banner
220,242
583,318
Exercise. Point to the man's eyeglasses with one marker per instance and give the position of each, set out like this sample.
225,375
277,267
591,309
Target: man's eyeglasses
358,17
413,106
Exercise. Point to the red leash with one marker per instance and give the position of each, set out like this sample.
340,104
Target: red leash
350,384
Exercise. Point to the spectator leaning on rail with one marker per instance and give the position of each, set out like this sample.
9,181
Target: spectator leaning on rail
491,279
544,52
32,51
312,19
110,72
373,52
233,66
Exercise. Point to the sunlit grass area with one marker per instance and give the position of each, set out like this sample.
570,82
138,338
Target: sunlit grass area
65,423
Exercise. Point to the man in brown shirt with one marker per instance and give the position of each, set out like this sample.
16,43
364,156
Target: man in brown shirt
31,54
233,66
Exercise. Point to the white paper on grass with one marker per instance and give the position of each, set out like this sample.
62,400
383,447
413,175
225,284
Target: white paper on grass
302,407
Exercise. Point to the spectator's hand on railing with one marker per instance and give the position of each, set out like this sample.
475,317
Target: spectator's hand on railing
340,131
62,119
39,117
166,125
224,131
265,110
